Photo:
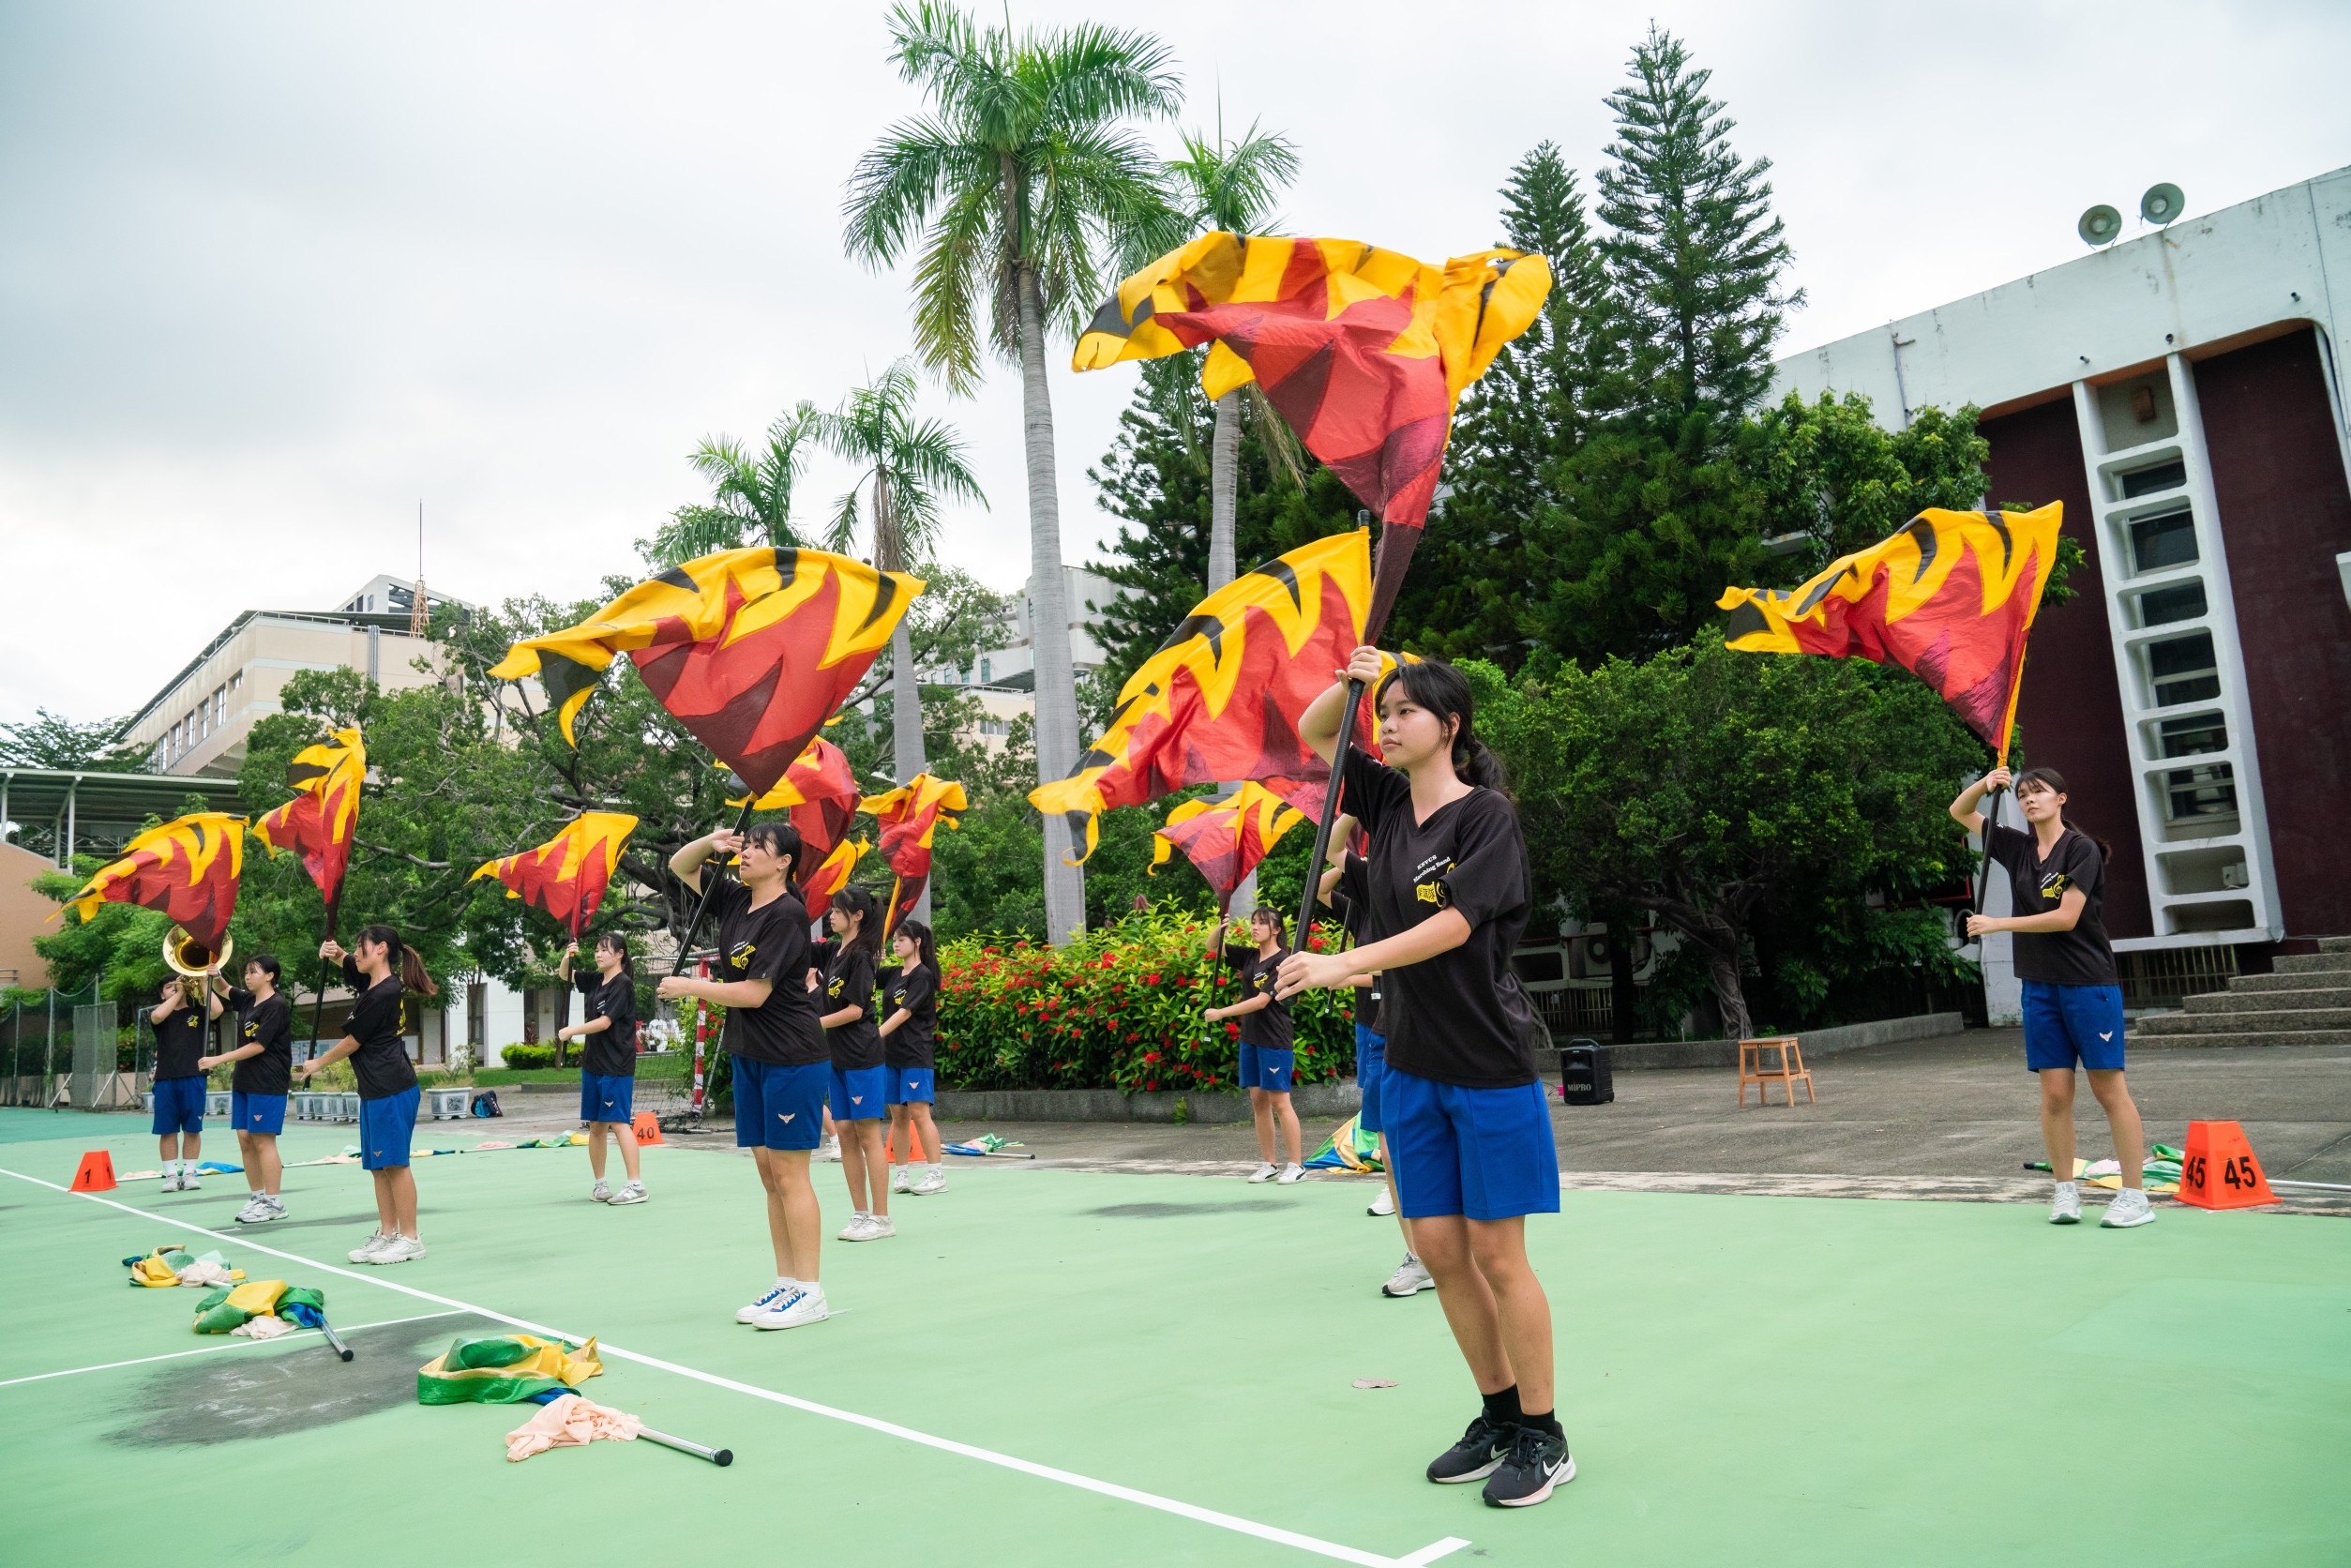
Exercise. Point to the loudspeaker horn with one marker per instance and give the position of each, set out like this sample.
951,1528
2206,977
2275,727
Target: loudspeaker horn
2098,225
2161,204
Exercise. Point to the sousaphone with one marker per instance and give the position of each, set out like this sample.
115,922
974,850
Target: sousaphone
190,957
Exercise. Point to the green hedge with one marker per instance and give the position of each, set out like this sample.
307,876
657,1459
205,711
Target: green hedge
1120,1008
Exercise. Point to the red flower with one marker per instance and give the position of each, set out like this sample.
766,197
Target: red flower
1232,1030
1151,1055
1151,979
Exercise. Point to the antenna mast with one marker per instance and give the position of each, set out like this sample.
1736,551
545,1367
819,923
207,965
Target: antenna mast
420,608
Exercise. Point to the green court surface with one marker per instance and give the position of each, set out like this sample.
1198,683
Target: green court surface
1159,1369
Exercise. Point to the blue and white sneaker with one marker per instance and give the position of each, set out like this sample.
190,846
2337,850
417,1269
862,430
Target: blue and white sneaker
774,1296
805,1305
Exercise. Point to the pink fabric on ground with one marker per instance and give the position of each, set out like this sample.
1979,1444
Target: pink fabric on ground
569,1422
266,1326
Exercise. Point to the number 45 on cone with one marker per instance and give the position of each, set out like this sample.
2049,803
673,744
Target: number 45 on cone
2218,1169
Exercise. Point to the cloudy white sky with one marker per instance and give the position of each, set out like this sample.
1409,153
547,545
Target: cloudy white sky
270,274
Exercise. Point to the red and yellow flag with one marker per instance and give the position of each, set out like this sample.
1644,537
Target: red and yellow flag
820,791
318,822
1364,352
187,868
1221,698
910,817
831,876
1226,839
751,650
1949,599
566,876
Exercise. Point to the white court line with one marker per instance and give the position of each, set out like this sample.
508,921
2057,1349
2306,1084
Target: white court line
207,1349
986,1455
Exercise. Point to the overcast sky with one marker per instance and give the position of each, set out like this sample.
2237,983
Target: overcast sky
270,274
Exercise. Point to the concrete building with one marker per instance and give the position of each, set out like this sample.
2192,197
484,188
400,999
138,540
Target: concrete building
2183,395
1003,679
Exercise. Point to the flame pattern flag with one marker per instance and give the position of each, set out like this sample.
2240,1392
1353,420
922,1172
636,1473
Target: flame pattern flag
318,822
751,650
187,868
1364,352
1949,599
820,791
910,817
1221,698
831,876
1226,839
566,876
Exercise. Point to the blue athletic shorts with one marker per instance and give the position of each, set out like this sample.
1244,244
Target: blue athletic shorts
910,1086
1371,1066
860,1094
604,1098
178,1104
387,1127
1263,1067
1484,1153
779,1107
256,1113
2065,1024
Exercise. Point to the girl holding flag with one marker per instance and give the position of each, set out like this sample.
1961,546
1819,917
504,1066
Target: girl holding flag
264,1071
780,1066
608,1076
1267,1059
1448,879
911,990
861,1079
382,971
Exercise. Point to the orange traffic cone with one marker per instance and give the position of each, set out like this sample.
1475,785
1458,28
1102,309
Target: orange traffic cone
2218,1169
95,1174
647,1127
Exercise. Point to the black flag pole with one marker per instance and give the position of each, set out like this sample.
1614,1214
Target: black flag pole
326,970
712,871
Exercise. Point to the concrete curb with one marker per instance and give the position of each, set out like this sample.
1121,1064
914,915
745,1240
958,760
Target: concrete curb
1815,1043
1313,1102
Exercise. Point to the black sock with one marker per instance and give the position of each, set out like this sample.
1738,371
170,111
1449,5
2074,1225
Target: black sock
1503,1409
1547,1423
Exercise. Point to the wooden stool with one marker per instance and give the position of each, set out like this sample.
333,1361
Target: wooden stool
1790,1071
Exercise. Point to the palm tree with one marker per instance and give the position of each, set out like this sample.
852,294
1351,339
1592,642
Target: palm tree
1230,186
905,468
751,494
1011,189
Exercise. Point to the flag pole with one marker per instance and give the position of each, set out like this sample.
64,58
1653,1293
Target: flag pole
710,885
326,972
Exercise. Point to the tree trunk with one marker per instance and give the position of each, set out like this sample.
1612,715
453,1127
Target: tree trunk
1224,505
1048,621
1623,996
1722,967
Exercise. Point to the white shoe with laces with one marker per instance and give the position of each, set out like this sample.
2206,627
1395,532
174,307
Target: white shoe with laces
2066,1207
901,1179
600,1193
1410,1278
399,1250
1265,1172
1291,1173
2130,1208
256,1207
830,1152
769,1299
1384,1205
188,1181
934,1180
802,1305
272,1208
878,1227
365,1252
859,1229
634,1192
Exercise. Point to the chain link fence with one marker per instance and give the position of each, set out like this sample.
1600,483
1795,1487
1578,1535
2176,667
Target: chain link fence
73,1048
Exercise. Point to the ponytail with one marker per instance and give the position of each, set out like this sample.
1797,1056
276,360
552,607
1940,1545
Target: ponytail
858,901
1444,691
408,966
925,946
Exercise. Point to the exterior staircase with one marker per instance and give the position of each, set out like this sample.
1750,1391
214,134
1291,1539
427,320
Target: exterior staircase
2306,1001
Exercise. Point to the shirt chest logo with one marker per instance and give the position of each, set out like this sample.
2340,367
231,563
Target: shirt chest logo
833,991
2053,886
739,957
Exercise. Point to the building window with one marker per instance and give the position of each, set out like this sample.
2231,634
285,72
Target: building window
2161,606
2198,793
2192,737
2166,540
2147,481
994,727
988,670
202,721
2183,670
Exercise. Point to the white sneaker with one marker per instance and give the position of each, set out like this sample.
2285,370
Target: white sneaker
830,1151
1384,1205
633,1192
1410,1278
600,1194
188,1181
1291,1172
2066,1208
171,1180
365,1252
901,1179
399,1250
802,1305
859,1229
272,1208
2129,1208
1265,1172
934,1180
255,1209
769,1299
880,1226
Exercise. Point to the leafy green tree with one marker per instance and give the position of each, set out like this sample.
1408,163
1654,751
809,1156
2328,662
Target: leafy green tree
1715,789
50,740
1834,480
1022,176
750,499
906,467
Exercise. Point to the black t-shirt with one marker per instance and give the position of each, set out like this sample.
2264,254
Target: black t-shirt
911,1044
849,981
1351,900
612,1051
1460,1018
378,1021
1268,1026
2080,957
770,944
179,1040
270,1025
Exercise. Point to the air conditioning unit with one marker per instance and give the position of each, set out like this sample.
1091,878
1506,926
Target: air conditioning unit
1592,950
2235,875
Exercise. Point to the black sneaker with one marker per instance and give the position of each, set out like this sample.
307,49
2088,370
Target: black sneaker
1480,1448
1537,1461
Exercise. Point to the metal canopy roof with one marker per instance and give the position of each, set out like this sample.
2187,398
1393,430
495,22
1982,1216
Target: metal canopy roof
106,807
